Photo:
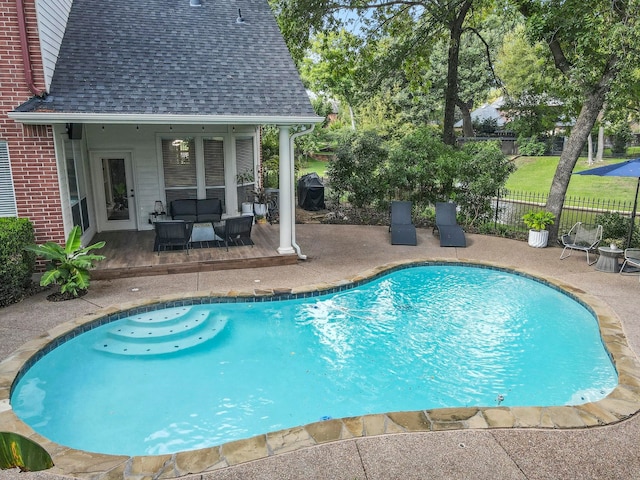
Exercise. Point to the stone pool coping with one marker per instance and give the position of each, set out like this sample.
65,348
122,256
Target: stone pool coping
621,403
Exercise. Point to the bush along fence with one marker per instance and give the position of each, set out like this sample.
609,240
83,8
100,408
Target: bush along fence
509,206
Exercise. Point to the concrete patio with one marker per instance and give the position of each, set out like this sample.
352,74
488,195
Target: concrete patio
337,252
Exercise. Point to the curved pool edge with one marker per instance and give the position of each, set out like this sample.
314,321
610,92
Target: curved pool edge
620,404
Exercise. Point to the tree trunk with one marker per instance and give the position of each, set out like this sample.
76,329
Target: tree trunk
590,149
467,123
579,134
453,61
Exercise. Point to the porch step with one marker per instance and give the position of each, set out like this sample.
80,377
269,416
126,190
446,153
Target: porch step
162,331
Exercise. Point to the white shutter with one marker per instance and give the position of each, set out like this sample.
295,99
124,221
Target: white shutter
8,206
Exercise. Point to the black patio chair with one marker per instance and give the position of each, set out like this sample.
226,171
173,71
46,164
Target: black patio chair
451,234
236,231
173,233
403,231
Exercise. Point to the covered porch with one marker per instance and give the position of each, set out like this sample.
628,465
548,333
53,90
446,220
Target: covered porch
130,254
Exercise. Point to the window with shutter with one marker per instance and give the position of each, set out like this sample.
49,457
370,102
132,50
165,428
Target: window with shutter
214,168
244,165
8,206
179,162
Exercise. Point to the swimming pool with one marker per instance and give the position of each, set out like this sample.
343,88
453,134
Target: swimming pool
487,362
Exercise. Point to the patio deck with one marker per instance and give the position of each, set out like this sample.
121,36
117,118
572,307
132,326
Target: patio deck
130,254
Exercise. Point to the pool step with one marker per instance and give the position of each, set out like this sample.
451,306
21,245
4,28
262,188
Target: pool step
162,331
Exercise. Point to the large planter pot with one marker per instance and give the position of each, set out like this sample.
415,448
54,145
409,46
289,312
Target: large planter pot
538,238
260,209
247,208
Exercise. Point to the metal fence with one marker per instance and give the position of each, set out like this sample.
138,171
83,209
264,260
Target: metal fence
509,206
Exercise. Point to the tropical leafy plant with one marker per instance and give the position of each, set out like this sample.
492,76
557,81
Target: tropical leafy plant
69,265
539,220
23,453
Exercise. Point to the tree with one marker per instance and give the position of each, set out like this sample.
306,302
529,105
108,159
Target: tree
330,66
396,34
592,43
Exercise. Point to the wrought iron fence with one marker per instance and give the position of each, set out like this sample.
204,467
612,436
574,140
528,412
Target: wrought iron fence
509,206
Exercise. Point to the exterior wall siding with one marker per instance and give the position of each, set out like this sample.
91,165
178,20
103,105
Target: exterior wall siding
52,21
31,147
143,143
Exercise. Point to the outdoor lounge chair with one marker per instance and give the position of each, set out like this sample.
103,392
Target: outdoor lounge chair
173,233
403,231
631,263
236,231
451,234
582,238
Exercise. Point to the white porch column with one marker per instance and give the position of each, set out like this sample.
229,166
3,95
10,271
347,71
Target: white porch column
285,206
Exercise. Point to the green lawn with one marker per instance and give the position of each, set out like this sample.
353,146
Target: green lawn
534,174
311,165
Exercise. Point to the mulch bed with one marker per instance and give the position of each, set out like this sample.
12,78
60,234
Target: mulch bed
61,297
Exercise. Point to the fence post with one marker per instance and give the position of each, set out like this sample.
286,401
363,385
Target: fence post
495,217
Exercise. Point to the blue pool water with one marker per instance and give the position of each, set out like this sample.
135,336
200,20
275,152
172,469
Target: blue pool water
417,338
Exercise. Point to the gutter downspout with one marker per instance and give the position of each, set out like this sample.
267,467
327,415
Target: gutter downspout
293,204
24,44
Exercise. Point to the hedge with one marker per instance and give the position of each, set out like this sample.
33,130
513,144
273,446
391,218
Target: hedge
16,264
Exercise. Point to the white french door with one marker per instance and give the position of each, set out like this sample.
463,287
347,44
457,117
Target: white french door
114,187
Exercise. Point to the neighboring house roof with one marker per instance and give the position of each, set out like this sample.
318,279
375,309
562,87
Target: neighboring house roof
148,58
487,111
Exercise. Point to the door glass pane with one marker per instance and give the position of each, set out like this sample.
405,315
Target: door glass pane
115,188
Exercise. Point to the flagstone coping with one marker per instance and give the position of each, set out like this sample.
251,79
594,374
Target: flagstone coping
620,404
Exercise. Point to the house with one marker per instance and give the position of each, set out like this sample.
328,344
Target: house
109,107
488,112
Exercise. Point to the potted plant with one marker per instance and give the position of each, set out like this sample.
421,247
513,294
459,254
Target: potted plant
69,265
243,178
537,222
260,200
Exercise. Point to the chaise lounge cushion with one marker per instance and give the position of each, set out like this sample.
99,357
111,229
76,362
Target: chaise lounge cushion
192,210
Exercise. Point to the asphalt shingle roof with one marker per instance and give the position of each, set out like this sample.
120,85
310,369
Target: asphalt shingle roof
167,57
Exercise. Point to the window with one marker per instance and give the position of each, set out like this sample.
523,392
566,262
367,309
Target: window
214,168
75,182
8,206
197,167
180,173
244,167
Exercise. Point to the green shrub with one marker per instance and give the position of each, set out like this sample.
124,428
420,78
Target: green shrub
354,174
69,265
613,224
531,147
482,170
16,264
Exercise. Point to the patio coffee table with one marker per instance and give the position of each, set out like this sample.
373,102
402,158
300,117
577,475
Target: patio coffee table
203,232
608,259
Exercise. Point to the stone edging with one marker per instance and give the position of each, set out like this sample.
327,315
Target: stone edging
621,403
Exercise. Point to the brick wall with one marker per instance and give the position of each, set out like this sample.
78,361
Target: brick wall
31,148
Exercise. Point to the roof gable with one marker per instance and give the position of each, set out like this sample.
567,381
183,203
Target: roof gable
166,57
